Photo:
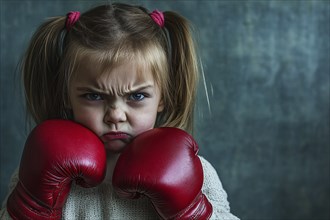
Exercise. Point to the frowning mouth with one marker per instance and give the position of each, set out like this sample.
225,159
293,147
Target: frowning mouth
111,136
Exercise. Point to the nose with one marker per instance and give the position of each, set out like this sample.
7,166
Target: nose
114,115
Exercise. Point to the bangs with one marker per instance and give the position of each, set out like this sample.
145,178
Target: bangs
145,55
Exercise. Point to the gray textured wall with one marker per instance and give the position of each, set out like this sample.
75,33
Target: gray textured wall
267,72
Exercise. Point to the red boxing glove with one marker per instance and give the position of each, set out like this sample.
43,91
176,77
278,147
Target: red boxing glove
56,153
163,165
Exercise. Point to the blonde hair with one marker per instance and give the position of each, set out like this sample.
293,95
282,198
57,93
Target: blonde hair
112,34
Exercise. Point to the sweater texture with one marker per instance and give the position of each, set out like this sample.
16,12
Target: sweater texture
101,202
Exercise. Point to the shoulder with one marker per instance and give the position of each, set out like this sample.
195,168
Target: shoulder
211,177
214,191
207,166
210,174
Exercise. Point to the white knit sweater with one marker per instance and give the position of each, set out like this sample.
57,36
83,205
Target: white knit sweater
102,203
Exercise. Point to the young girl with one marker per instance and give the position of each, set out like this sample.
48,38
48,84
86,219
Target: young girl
120,71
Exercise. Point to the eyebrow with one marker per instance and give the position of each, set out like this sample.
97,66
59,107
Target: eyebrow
100,91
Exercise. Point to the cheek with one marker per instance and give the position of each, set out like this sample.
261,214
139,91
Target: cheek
144,123
89,119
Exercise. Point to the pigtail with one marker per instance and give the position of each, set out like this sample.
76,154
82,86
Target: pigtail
40,68
183,71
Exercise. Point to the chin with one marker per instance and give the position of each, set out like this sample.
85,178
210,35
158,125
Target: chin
116,146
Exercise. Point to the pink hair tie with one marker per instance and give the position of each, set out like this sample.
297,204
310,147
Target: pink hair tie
158,17
72,18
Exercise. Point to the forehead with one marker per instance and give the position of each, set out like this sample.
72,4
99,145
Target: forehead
148,60
100,66
118,78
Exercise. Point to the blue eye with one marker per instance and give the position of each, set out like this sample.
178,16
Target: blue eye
137,96
93,96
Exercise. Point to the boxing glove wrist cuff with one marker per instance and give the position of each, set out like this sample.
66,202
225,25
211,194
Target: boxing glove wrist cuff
200,208
21,205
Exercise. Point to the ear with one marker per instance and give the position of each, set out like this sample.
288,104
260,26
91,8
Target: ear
160,106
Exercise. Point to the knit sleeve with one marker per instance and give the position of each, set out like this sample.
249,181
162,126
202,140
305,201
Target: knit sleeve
213,190
12,184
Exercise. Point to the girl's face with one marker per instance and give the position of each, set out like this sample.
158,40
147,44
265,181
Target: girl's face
117,105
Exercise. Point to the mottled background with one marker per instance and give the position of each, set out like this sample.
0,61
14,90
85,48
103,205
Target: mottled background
266,67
